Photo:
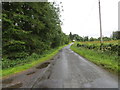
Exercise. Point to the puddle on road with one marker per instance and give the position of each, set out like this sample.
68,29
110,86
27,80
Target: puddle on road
58,57
30,73
7,81
60,50
43,65
17,85
52,59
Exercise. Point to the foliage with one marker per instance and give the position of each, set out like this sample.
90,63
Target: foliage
30,27
106,46
105,59
12,63
16,66
116,35
77,37
71,36
105,39
86,38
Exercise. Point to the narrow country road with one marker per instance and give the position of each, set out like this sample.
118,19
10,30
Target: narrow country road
66,70
72,71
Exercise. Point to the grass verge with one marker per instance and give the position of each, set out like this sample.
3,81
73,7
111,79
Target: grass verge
19,68
106,60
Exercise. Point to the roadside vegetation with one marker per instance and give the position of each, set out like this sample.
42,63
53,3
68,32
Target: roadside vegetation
15,66
31,33
107,57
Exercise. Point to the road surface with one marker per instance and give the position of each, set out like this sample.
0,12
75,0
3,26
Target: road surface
66,70
73,71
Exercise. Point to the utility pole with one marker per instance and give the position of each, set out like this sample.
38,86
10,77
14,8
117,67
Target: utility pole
101,40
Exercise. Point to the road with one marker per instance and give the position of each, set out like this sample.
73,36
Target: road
70,70
66,70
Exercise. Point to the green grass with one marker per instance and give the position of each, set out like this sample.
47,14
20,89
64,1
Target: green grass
19,68
106,60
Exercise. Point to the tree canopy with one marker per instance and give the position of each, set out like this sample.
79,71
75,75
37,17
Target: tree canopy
30,27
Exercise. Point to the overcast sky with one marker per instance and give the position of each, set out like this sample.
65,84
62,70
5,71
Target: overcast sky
82,17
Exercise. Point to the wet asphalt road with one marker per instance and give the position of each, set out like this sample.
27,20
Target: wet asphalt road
66,70
70,70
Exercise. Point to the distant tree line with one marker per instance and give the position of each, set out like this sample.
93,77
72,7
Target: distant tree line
76,37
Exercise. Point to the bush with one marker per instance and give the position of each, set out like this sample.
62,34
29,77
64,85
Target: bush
112,48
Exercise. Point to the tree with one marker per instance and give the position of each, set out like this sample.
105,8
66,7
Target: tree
77,37
92,39
71,36
106,38
30,27
116,35
86,38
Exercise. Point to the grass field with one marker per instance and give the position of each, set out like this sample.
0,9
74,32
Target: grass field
107,60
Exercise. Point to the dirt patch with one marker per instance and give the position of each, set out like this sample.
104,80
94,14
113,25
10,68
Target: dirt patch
30,73
7,81
43,65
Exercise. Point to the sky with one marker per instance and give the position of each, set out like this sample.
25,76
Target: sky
82,17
